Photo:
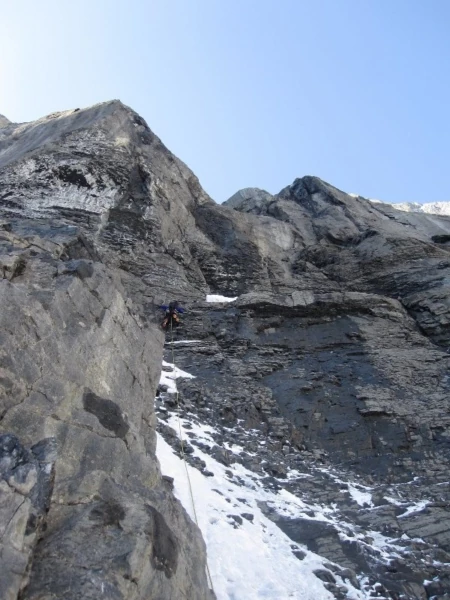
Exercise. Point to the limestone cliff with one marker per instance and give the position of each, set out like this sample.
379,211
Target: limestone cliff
334,353
84,510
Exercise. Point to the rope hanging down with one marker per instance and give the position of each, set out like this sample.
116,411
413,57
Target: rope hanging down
183,455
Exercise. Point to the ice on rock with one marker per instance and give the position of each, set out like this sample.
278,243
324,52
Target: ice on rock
218,298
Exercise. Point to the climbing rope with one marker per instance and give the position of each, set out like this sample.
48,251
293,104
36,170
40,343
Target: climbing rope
183,454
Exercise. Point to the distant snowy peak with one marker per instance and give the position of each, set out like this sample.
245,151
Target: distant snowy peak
434,208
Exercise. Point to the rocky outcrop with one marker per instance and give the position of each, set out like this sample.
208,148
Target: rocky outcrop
4,121
250,200
334,354
367,247
84,509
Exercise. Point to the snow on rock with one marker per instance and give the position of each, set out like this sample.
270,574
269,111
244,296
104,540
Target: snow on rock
217,298
184,342
415,508
305,531
433,208
362,498
246,557
170,374
249,556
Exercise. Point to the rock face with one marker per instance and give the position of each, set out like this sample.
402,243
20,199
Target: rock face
249,199
84,510
335,353
4,121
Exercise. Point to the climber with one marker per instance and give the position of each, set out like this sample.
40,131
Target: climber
173,310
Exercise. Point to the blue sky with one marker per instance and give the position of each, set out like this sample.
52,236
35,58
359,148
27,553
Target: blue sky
252,92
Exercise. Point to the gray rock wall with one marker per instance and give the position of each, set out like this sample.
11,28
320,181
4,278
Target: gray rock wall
83,508
337,345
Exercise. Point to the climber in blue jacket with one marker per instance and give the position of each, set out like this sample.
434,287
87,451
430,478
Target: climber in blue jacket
173,310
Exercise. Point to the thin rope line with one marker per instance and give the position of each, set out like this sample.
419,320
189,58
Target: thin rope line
183,453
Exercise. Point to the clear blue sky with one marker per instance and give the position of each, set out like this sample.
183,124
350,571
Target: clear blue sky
252,92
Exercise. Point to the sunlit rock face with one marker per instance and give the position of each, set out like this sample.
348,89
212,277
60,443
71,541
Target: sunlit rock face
4,121
334,354
84,509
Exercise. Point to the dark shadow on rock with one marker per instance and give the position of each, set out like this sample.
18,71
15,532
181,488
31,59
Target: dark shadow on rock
107,412
165,545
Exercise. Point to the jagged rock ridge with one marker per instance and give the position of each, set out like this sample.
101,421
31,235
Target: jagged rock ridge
336,348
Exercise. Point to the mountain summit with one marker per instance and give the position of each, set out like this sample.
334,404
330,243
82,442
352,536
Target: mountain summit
4,121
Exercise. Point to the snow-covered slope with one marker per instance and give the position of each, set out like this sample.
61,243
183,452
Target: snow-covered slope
243,516
249,556
431,208
434,208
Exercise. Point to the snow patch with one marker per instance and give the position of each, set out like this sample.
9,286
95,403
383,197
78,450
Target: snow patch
362,498
415,508
245,560
247,551
431,208
434,208
169,377
217,298
185,342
